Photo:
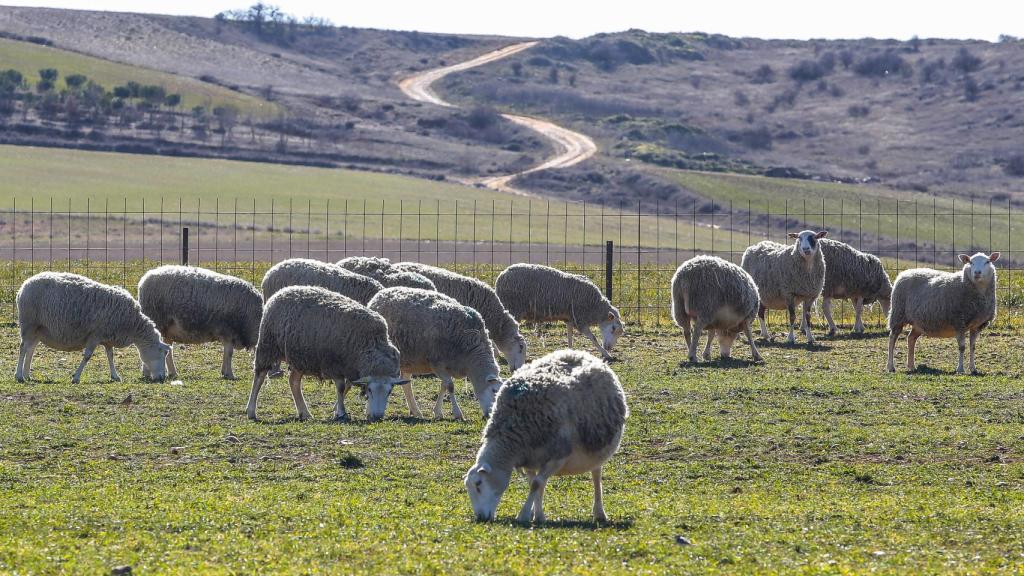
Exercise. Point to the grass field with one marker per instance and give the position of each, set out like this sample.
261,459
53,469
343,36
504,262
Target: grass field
29,58
815,461
874,209
411,207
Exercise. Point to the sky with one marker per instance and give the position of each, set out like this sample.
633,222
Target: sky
798,19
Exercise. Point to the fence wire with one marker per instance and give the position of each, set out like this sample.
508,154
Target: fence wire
116,240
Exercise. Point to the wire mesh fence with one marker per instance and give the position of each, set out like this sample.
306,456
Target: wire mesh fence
116,240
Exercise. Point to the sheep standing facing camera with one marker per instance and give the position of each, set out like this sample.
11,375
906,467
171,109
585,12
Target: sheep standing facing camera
501,326
323,334
558,415
306,272
787,275
718,296
435,334
942,305
71,312
536,293
853,275
380,269
194,305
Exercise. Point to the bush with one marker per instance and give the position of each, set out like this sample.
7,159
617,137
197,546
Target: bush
754,138
539,61
965,62
858,111
807,71
482,118
971,89
1014,165
763,75
741,99
882,65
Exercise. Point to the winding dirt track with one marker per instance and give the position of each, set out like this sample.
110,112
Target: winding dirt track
572,147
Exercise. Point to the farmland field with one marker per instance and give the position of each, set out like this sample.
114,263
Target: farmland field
29,58
815,461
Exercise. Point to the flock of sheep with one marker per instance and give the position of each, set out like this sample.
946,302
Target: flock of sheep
373,324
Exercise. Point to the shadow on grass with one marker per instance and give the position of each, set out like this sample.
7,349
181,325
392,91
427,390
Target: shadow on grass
783,344
853,336
625,524
721,363
926,370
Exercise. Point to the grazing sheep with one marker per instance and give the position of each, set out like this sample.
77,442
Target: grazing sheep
943,304
380,270
71,312
718,296
536,293
324,334
786,275
195,305
435,334
306,272
561,414
853,275
504,330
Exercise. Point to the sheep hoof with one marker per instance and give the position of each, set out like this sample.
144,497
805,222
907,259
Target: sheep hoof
228,376
304,417
832,333
20,378
341,417
601,518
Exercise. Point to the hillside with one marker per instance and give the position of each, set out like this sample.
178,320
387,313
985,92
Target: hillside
940,116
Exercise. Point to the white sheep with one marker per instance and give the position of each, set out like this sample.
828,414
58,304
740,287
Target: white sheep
853,275
307,272
943,304
718,296
435,334
502,327
71,312
786,275
380,269
536,293
323,334
194,305
561,414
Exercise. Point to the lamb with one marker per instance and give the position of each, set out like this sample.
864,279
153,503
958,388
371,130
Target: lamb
943,304
306,272
380,270
854,275
194,305
435,334
716,295
561,414
71,312
324,334
786,275
501,326
536,293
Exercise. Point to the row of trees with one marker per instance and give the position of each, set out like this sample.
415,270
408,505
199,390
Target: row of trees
272,24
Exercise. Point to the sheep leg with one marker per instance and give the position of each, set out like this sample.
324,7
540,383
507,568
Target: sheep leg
86,354
791,310
911,344
590,336
24,370
599,515
533,508
27,368
410,398
826,308
225,364
894,335
961,346
257,382
754,353
695,341
449,386
707,347
974,340
110,361
764,325
342,385
686,330
295,383
807,322
568,332
172,370
858,308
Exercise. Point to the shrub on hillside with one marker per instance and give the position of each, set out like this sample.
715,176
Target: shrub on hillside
1014,165
858,111
965,62
807,71
882,65
763,75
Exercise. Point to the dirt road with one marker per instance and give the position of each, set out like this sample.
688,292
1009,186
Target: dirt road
572,147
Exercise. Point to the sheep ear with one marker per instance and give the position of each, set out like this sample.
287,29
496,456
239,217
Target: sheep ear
493,379
965,258
793,235
611,316
994,257
821,234
399,382
362,381
484,468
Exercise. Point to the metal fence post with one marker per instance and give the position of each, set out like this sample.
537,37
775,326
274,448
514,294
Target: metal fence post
184,245
609,256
